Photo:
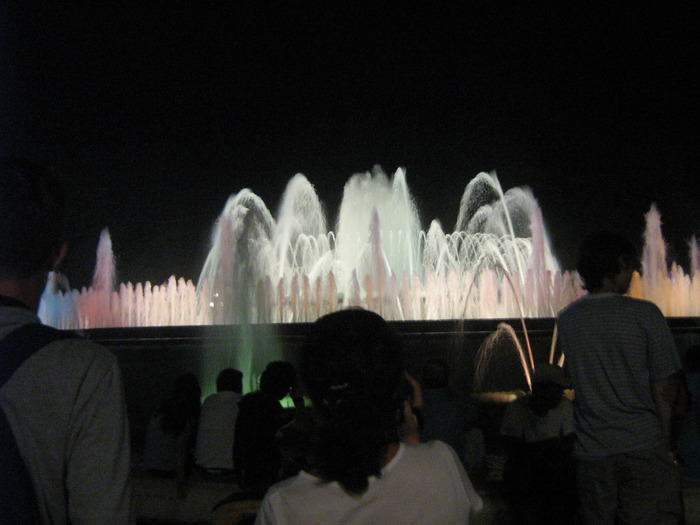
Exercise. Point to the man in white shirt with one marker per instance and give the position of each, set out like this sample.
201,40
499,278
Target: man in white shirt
217,422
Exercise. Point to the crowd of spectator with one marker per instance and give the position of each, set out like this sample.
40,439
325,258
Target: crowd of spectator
602,440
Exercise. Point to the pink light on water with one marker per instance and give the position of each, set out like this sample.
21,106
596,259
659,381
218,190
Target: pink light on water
496,264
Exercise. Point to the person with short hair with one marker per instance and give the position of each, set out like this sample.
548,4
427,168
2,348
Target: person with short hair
352,368
65,403
537,432
217,422
624,368
257,459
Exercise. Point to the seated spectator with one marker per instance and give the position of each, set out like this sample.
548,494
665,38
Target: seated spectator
171,433
450,417
256,456
353,370
538,434
217,422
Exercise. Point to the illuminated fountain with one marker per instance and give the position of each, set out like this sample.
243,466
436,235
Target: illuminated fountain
497,264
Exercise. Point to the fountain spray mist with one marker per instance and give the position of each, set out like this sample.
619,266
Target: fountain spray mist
497,264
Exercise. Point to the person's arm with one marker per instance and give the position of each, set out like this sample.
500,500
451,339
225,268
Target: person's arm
289,418
182,456
665,393
239,441
664,369
266,514
97,477
410,428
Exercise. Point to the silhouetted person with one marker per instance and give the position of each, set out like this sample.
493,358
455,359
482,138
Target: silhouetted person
448,416
171,433
256,454
65,402
217,422
352,369
623,365
537,431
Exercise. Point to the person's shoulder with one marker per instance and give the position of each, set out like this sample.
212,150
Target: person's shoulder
300,483
643,305
211,399
77,351
620,301
250,396
294,489
432,460
430,451
225,398
246,400
571,308
253,401
596,303
67,369
81,348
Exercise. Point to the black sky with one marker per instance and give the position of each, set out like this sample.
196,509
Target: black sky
154,115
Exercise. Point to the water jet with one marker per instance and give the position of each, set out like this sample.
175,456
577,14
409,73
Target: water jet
265,277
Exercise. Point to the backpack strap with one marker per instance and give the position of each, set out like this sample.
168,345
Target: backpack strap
18,500
21,343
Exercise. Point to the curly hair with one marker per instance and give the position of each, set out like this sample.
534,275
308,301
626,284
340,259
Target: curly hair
352,367
600,255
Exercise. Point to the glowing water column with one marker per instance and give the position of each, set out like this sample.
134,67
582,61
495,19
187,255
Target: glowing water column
496,264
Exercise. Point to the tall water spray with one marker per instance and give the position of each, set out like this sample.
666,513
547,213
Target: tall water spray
260,269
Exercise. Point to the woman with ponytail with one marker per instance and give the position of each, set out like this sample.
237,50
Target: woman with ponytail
363,401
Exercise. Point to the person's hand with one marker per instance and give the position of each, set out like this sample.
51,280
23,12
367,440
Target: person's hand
417,390
412,413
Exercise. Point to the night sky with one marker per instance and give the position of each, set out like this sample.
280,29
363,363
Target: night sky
155,115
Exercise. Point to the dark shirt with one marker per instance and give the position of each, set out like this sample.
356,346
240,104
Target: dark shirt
447,417
256,456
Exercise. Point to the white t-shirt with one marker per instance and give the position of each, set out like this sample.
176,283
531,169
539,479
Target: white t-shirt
217,423
422,484
521,422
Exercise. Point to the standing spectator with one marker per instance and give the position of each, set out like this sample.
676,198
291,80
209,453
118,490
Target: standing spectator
217,422
450,417
65,402
256,455
171,433
537,431
353,370
623,365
